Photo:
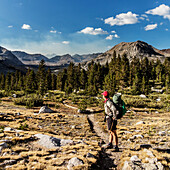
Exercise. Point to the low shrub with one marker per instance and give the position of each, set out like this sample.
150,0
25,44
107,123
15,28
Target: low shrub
57,106
135,103
82,105
29,101
4,93
23,126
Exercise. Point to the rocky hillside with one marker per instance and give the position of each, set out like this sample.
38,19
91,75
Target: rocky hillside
61,60
139,49
27,59
166,51
9,62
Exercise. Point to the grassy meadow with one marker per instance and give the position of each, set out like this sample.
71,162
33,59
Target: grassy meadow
20,112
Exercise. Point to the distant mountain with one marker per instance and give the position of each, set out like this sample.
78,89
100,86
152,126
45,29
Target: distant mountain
86,57
66,59
139,49
29,59
9,62
34,59
61,60
166,51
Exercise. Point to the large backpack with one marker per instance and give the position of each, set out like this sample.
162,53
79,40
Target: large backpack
120,105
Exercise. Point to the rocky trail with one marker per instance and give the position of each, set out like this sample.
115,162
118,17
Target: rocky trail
108,158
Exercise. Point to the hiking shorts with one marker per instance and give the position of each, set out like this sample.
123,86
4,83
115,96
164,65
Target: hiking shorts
111,124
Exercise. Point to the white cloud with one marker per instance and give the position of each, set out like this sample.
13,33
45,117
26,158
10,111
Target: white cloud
10,26
161,23
110,37
53,31
151,27
144,15
116,36
26,27
92,31
113,32
122,19
142,18
166,29
162,10
66,42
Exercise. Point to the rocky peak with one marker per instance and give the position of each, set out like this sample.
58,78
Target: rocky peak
132,49
9,62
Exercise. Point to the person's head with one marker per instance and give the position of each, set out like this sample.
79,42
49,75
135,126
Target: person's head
105,94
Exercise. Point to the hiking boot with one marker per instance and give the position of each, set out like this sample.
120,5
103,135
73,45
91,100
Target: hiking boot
109,146
116,148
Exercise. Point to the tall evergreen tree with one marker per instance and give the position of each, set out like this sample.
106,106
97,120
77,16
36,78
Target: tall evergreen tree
70,77
53,82
41,78
30,81
8,82
2,82
125,70
83,79
48,80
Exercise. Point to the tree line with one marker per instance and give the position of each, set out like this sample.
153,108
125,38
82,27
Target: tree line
137,75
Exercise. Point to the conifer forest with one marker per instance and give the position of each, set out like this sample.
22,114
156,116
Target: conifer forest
135,76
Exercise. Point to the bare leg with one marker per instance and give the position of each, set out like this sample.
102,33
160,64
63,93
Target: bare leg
111,137
113,134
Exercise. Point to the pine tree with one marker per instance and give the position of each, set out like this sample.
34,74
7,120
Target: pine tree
77,72
53,81
12,83
118,70
158,71
110,83
2,83
70,77
125,70
92,79
83,79
166,65
136,88
20,84
48,80
7,82
30,82
41,78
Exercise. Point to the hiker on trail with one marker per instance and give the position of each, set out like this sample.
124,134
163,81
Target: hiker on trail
110,116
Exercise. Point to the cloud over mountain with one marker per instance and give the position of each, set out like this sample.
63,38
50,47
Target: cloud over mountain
122,19
93,31
151,27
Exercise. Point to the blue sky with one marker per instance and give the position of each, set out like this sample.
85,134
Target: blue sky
82,26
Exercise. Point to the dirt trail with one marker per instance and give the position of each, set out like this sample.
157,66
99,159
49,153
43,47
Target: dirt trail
109,159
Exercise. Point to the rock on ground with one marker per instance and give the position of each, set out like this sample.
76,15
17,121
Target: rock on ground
45,109
51,142
74,162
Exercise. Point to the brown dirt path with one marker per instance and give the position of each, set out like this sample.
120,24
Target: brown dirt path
109,159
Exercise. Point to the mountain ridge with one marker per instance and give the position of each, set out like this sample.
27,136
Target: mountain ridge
9,62
17,60
132,49
34,59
